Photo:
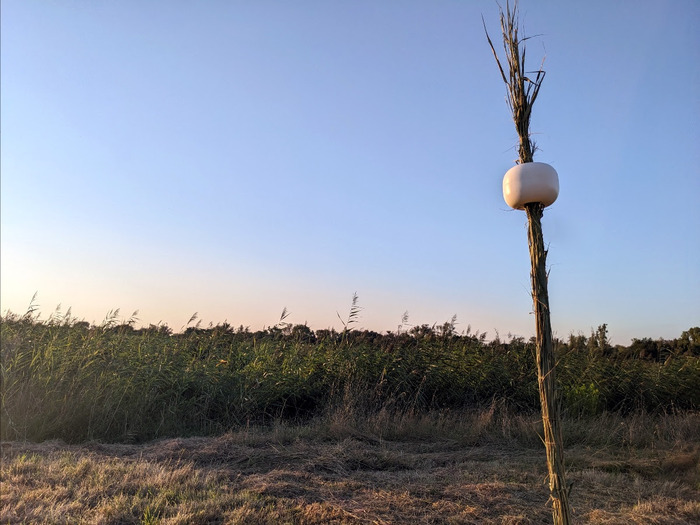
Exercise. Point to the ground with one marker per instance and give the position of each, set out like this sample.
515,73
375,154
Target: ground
284,475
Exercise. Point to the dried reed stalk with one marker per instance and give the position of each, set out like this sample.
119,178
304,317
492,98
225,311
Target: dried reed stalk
522,90
546,377
522,93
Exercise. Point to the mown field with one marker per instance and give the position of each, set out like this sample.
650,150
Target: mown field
110,424
480,468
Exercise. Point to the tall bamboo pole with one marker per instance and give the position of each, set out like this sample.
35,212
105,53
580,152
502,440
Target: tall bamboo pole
522,92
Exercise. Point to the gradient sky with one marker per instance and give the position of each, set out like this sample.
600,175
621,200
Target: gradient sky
235,158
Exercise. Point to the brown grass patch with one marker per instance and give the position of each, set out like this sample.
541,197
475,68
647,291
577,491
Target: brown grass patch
346,474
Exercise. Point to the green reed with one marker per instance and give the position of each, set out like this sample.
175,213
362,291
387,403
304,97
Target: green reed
63,378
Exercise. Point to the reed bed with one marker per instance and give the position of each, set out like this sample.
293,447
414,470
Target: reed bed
66,379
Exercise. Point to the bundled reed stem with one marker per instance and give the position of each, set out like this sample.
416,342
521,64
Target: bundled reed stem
522,93
546,370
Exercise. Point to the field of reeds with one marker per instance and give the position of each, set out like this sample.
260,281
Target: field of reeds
66,379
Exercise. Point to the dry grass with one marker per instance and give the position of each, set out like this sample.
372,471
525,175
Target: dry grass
339,471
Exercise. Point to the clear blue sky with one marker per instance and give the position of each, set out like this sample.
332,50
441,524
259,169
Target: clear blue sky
234,158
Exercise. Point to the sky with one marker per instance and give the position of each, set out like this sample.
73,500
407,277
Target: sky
233,159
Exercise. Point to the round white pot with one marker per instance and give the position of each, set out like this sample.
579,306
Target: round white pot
530,182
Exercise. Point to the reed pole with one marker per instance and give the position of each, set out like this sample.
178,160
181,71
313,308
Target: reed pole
522,92
546,370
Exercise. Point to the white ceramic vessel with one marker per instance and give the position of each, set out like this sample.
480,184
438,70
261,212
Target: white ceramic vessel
530,182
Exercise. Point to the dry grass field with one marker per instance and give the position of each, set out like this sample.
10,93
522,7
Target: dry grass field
482,469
